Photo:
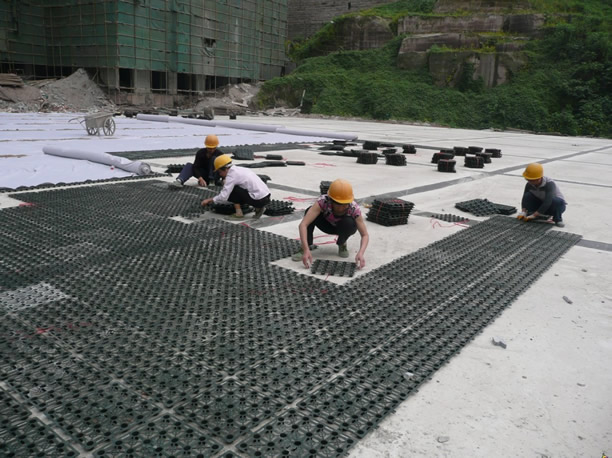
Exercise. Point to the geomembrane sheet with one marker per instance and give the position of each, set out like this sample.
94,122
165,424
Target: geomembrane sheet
139,335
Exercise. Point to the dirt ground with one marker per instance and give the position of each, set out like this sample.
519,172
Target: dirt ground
79,93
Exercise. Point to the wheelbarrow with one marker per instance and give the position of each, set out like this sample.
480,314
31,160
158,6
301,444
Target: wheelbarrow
94,122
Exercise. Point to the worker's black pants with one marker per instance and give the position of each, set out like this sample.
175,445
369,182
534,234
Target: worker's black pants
187,172
343,228
241,196
531,203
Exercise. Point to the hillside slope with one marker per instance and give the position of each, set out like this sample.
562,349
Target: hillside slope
563,84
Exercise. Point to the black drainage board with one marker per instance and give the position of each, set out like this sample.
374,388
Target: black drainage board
114,312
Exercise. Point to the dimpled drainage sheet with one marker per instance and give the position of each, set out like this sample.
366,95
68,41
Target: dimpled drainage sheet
138,335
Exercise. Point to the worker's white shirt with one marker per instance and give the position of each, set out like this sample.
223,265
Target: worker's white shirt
246,179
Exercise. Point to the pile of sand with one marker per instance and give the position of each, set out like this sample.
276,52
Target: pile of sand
75,93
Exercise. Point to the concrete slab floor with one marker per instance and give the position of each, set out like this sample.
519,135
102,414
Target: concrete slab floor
549,392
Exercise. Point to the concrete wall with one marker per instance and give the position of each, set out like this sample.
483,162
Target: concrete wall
305,17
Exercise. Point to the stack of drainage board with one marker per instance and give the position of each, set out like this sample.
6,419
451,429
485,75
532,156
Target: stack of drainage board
393,158
390,212
278,208
409,149
366,157
475,157
228,208
445,160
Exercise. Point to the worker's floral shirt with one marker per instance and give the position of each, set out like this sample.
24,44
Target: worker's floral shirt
326,208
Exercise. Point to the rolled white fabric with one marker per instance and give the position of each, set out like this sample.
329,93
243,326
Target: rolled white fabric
156,118
197,122
309,133
137,167
249,126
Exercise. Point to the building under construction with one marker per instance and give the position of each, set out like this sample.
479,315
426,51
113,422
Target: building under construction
138,48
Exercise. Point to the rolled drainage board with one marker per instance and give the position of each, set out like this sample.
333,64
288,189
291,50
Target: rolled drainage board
179,311
337,268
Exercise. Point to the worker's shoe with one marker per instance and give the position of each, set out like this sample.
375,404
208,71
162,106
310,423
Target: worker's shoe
297,256
176,184
559,224
343,251
235,217
259,212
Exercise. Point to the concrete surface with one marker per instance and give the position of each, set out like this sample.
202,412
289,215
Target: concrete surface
549,392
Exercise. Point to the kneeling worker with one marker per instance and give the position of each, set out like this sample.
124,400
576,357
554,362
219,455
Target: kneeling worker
334,213
542,198
202,167
240,186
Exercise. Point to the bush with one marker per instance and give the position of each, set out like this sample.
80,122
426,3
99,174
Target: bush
566,87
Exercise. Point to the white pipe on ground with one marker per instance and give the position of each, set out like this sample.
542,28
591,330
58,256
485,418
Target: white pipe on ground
246,126
137,167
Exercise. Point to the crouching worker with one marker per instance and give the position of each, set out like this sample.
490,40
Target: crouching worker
240,186
202,167
334,213
542,199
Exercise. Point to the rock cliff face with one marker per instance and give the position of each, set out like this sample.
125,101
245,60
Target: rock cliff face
528,24
451,6
466,40
360,33
305,17
486,36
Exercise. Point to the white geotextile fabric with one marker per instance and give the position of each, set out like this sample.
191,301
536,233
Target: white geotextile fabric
24,135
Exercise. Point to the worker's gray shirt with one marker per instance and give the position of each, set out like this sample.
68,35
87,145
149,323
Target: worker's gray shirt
546,191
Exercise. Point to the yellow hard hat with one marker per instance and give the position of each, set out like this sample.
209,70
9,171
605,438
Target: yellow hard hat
341,191
222,161
533,171
212,141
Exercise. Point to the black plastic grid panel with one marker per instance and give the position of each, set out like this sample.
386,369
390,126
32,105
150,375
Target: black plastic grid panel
112,312
337,268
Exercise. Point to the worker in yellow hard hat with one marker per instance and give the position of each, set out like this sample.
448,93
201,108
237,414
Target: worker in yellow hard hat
542,198
240,186
334,213
202,167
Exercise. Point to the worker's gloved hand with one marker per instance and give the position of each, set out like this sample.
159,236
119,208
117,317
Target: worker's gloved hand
529,218
521,215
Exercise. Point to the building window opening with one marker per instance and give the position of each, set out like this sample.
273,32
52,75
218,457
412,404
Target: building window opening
185,82
159,81
126,78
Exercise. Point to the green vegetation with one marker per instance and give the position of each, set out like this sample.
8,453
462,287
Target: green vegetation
396,10
566,86
326,39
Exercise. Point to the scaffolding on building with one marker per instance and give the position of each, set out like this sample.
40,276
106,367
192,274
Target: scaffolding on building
171,46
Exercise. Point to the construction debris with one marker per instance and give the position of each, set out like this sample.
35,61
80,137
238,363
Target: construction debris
498,342
10,79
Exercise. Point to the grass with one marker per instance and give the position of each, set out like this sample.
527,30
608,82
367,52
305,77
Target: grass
566,87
